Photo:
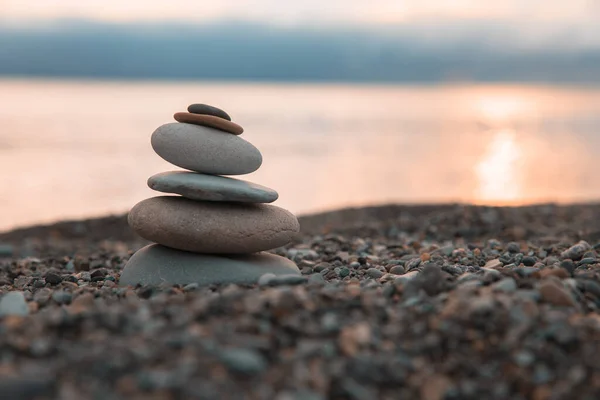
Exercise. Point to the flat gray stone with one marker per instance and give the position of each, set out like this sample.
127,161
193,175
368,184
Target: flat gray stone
213,227
196,186
205,150
156,264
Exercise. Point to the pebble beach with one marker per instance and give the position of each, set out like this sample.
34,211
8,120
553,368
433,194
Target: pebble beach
393,302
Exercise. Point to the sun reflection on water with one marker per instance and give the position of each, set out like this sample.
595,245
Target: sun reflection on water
498,171
502,106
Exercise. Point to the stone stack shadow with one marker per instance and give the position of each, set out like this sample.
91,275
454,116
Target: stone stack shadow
215,229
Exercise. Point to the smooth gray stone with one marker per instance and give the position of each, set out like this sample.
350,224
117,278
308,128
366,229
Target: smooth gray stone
196,186
156,264
13,303
205,109
213,227
205,150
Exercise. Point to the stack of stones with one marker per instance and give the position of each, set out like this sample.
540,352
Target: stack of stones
217,229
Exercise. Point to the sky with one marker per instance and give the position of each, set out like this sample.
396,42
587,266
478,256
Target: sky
559,13
545,40
535,20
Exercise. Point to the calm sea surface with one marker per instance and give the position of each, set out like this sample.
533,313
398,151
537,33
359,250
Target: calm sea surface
80,149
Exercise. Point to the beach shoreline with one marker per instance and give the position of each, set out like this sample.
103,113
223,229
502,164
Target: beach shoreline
400,301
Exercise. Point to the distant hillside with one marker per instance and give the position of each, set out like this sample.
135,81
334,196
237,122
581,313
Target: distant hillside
249,52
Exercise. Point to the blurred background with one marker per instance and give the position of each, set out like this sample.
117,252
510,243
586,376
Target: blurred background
351,102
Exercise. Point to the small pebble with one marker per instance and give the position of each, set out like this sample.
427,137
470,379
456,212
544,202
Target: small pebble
374,273
205,109
61,297
554,293
53,278
397,270
568,265
513,247
507,285
243,361
13,303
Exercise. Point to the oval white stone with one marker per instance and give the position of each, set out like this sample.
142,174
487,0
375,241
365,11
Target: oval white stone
205,150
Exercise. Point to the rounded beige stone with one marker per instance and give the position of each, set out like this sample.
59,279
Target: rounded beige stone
205,150
213,227
209,120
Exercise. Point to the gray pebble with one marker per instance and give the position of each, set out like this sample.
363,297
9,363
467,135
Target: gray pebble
528,261
397,270
374,273
202,187
13,303
524,358
321,266
53,278
42,296
70,266
205,109
588,260
243,361
527,271
62,297
207,150
513,247
576,251
528,294
156,265
507,285
490,275
568,265
412,264
330,322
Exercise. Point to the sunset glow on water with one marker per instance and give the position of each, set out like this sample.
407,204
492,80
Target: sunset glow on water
79,149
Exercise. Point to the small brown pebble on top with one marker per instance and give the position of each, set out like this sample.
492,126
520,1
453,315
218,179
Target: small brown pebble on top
210,121
205,109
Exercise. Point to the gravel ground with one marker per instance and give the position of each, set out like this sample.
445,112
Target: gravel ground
395,302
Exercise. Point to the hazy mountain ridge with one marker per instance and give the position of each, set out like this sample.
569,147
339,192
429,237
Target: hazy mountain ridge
241,51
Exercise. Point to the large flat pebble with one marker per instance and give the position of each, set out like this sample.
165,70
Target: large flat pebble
156,264
213,227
